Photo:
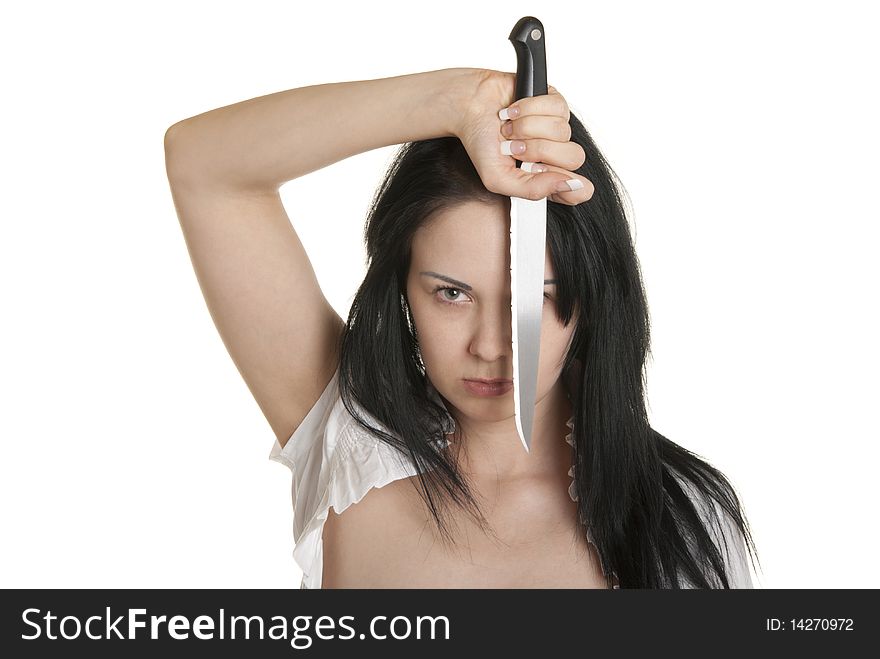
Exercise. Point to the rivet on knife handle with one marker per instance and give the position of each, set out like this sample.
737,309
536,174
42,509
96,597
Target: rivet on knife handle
527,38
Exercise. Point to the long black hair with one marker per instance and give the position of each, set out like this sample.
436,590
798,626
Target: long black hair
646,502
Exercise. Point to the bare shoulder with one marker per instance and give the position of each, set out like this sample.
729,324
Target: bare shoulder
372,536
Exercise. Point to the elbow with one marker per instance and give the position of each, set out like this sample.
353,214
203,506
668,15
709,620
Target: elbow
172,136
172,148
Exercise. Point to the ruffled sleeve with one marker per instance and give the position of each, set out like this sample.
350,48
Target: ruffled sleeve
334,462
573,495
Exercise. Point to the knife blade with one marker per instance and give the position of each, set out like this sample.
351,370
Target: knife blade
528,234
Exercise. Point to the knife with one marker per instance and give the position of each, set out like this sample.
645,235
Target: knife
528,235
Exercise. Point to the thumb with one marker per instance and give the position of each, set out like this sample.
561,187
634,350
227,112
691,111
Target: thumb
563,185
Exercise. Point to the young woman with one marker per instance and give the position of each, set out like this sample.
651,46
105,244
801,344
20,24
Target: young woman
407,473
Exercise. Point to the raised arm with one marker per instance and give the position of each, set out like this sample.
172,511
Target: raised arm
225,167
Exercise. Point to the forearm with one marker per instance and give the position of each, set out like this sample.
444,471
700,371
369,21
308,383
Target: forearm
261,143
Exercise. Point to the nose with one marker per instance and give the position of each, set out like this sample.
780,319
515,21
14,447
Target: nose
492,336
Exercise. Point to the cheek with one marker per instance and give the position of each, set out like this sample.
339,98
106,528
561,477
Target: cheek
443,322
555,339
437,330
435,338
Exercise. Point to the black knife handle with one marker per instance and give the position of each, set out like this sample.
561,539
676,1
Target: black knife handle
528,39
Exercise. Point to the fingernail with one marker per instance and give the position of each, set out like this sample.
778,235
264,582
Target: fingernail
508,147
570,185
532,168
508,113
507,129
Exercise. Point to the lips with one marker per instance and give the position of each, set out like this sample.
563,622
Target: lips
492,381
497,387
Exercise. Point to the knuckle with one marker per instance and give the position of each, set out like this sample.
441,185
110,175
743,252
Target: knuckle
537,150
564,110
564,130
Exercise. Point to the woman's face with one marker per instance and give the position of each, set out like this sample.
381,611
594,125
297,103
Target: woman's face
464,325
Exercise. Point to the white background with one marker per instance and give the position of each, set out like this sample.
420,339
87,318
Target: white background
133,454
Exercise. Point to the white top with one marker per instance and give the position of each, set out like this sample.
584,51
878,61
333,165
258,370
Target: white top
335,462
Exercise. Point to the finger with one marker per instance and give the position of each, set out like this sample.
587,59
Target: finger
537,127
576,197
521,182
552,104
566,197
557,186
568,155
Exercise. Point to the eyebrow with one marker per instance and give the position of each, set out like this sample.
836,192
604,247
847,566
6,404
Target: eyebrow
467,287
